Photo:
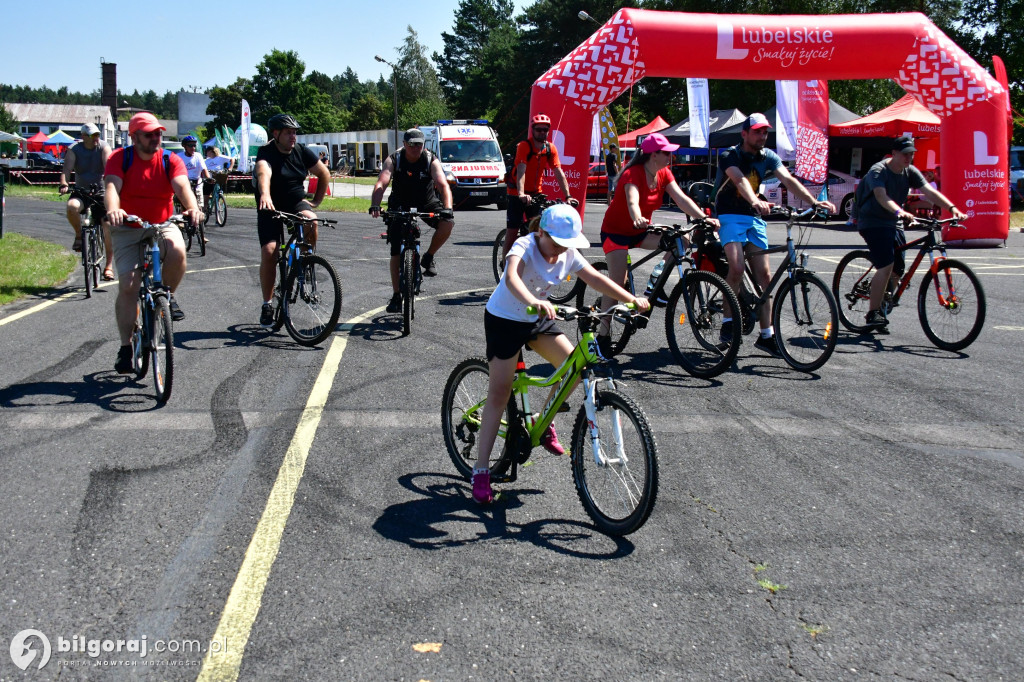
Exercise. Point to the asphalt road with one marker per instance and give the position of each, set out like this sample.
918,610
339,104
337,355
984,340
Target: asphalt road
861,522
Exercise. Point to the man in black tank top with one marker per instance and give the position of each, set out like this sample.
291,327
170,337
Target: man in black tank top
417,181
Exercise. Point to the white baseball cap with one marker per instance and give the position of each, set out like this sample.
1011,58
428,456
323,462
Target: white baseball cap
563,223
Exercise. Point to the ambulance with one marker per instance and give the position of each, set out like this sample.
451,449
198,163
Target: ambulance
472,161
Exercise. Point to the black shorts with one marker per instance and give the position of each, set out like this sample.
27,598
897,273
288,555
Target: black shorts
518,214
505,338
395,235
882,243
271,230
99,213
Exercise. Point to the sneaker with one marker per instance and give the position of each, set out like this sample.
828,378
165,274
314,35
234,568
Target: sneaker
124,363
427,263
549,441
604,346
482,493
267,316
77,244
177,314
876,321
395,304
768,345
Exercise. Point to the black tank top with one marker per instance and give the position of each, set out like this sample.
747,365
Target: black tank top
412,185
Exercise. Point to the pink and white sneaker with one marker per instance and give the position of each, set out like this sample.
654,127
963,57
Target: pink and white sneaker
549,441
482,493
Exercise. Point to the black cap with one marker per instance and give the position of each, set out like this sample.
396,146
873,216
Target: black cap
413,135
903,144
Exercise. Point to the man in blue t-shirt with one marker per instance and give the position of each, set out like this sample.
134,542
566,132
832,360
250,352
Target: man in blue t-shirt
741,170
880,199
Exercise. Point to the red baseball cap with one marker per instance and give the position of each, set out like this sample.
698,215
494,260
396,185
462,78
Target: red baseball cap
144,122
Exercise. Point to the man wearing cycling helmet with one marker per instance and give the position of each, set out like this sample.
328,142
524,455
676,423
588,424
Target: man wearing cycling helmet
417,181
195,166
533,156
281,168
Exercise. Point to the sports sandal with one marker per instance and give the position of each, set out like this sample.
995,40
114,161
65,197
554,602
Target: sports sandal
108,274
482,493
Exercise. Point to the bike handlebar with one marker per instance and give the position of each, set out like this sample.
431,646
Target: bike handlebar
568,313
933,223
293,219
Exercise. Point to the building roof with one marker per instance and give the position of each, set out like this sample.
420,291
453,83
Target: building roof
58,113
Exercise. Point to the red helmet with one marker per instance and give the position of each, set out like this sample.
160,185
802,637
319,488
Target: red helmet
541,118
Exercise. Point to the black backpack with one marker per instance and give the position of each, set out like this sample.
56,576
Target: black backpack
510,176
397,159
129,156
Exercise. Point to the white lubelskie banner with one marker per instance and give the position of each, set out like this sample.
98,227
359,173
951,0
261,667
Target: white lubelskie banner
243,153
812,131
698,101
787,99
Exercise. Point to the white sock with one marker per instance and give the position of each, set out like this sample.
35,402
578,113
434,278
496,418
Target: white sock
270,302
767,333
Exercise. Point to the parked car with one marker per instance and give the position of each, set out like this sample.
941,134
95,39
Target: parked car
841,189
597,181
1016,175
44,160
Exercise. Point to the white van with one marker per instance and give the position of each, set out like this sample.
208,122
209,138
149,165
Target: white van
471,157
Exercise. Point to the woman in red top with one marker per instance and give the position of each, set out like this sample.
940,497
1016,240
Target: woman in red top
642,184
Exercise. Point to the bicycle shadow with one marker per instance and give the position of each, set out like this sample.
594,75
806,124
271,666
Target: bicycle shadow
237,336
877,343
657,367
446,500
104,389
475,298
383,327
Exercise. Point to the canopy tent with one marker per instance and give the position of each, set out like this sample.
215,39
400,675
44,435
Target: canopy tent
36,142
717,119
728,137
628,140
906,115
10,137
61,138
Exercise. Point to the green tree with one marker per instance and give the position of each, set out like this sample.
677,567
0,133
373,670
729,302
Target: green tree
226,103
8,123
370,113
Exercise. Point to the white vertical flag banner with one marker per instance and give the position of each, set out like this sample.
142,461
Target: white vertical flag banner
243,153
787,98
697,99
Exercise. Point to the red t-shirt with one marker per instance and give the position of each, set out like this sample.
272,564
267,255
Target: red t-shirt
533,165
616,218
145,189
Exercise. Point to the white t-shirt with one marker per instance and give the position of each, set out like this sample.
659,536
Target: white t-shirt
193,164
218,163
537,274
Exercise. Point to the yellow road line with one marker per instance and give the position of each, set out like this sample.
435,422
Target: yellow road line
246,595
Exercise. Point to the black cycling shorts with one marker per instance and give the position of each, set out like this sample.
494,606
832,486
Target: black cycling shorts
882,244
395,235
505,338
271,230
99,213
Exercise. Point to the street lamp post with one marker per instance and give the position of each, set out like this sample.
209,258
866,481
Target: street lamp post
394,89
583,16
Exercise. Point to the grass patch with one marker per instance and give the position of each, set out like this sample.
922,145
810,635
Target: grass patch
46,193
31,267
330,204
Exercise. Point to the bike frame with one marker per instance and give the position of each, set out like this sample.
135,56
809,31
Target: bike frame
926,244
789,266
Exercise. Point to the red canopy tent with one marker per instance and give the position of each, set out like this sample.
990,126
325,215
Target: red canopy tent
905,116
36,142
628,140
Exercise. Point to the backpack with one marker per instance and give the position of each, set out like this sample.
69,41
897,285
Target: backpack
397,159
129,156
510,176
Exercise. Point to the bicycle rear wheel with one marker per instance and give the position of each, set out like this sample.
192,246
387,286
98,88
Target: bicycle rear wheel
410,267
621,327
805,321
951,305
162,348
220,208
312,300
693,324
462,406
618,485
497,262
851,287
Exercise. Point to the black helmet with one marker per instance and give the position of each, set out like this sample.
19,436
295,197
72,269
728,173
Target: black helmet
282,121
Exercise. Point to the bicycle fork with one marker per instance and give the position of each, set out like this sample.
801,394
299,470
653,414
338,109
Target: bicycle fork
600,454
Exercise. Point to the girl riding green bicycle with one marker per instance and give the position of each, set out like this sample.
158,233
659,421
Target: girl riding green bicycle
534,264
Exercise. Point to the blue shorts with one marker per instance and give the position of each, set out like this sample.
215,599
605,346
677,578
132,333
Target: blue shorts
743,229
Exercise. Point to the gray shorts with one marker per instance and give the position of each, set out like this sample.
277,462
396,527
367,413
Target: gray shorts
127,252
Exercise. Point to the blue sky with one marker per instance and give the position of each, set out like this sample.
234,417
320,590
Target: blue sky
164,46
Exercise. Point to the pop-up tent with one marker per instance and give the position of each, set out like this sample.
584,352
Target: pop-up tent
717,119
635,43
36,142
906,115
628,140
730,136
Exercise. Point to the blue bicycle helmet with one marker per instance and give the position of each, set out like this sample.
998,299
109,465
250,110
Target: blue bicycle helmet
189,139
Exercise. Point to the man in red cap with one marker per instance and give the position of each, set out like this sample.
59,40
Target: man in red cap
140,182
744,233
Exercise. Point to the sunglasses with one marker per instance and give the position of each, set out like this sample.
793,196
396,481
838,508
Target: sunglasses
415,144
541,130
153,135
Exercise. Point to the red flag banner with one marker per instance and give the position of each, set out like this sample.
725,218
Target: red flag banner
812,131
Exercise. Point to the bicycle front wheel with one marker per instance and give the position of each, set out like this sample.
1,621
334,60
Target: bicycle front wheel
693,324
312,299
220,210
615,464
162,348
140,353
88,255
94,258
621,327
410,267
851,287
951,305
201,236
497,262
805,321
187,233
462,406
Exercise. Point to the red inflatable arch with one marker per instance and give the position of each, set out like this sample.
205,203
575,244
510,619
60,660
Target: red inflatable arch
906,47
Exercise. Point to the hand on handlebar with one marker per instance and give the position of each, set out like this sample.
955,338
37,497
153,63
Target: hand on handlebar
545,309
641,223
761,207
63,189
265,203
117,217
573,201
447,214
642,304
374,211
